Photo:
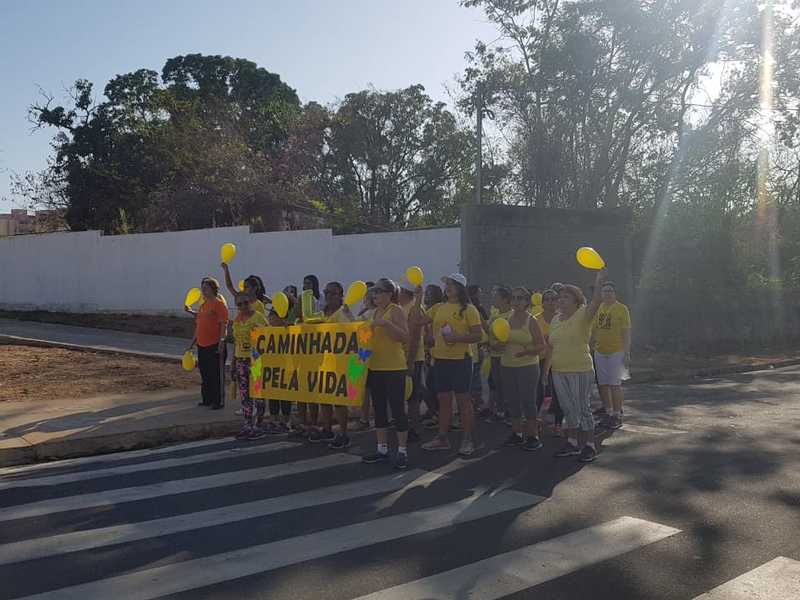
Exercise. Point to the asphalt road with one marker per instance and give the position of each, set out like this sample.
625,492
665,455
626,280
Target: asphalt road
700,489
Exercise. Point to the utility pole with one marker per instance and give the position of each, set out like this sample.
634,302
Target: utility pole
479,134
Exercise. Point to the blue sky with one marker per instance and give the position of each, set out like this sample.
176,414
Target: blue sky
322,48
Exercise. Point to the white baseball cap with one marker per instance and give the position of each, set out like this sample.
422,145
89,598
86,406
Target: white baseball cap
457,277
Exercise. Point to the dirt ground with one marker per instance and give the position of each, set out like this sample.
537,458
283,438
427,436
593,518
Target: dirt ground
34,374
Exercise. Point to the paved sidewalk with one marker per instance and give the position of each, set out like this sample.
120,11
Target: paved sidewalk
31,431
94,339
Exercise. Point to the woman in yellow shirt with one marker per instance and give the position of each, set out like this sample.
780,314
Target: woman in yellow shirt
520,372
246,320
573,373
387,372
456,324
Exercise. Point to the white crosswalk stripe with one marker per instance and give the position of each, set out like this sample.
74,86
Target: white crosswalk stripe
154,465
201,572
181,486
779,579
111,457
96,540
515,571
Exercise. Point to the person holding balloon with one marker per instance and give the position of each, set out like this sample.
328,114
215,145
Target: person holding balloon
456,324
247,319
253,287
573,373
521,342
386,378
211,326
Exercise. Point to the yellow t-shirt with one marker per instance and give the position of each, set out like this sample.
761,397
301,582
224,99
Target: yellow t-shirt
570,342
519,340
241,332
420,354
496,314
448,313
609,322
258,306
387,354
337,317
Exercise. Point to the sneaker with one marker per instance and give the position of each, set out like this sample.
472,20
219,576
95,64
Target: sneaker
600,412
238,412
316,437
297,433
378,457
568,449
413,437
432,423
360,425
614,423
485,413
256,433
401,461
456,425
556,430
532,444
340,442
244,432
437,443
281,428
514,440
588,454
467,448
507,422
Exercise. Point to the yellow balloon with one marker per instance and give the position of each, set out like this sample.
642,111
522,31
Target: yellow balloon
241,285
188,361
355,293
280,302
192,296
536,299
589,258
415,276
227,252
409,387
501,329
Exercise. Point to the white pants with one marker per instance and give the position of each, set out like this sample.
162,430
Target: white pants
572,391
610,368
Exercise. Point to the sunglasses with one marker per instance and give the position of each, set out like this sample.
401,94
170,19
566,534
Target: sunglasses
381,291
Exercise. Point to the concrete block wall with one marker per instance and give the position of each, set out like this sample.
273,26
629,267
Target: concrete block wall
150,273
535,247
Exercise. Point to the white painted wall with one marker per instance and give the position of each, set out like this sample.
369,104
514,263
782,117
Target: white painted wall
150,273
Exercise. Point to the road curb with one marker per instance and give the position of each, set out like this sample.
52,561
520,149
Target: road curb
6,340
105,444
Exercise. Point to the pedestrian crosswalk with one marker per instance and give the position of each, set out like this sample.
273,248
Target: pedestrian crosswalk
186,520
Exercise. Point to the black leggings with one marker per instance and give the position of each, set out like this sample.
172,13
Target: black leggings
280,406
212,367
388,391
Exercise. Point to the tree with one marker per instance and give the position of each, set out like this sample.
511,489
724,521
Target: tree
393,160
191,150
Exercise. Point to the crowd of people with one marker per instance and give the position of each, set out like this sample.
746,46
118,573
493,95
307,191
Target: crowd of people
540,376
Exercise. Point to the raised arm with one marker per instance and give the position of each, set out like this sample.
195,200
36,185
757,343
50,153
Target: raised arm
591,310
229,281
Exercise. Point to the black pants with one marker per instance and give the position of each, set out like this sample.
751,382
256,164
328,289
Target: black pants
431,399
211,370
388,391
283,407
